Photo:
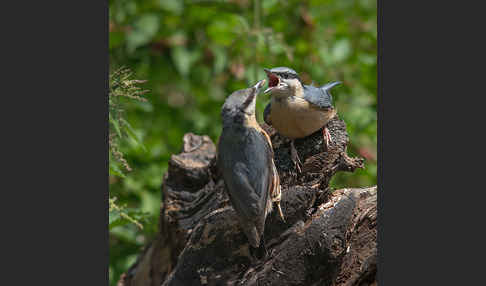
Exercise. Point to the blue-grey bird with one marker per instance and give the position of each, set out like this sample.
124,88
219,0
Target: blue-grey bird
297,110
246,160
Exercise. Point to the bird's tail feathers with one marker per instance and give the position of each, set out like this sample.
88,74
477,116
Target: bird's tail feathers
252,235
330,85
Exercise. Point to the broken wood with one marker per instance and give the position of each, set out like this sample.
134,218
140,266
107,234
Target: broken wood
329,237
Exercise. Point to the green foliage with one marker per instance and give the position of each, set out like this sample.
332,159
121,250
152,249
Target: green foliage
119,216
124,222
194,53
121,86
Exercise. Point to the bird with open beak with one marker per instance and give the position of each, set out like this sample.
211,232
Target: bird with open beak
246,160
297,110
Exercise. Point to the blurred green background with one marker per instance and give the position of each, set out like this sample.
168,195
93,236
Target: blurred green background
195,53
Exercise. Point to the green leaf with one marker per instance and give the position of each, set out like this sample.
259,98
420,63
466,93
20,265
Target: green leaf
131,133
115,125
143,31
184,59
276,48
119,216
115,170
174,6
220,59
341,50
223,30
116,39
269,4
114,219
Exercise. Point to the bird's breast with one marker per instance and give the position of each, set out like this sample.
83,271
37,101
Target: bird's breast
295,117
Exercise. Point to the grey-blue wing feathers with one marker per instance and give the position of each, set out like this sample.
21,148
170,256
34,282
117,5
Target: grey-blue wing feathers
245,197
245,160
320,96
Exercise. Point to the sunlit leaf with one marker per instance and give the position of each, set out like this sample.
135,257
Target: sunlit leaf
131,132
341,50
174,6
144,29
225,29
115,170
115,125
184,59
220,59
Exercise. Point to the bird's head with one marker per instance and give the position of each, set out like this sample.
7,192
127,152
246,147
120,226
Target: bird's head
282,82
241,103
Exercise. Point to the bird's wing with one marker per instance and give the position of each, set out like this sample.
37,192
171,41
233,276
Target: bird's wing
246,168
245,200
266,113
320,96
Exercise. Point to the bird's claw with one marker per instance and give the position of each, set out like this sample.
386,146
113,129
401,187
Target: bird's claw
298,165
327,136
276,198
295,157
280,213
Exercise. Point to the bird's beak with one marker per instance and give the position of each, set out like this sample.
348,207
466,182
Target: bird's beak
273,80
259,85
253,93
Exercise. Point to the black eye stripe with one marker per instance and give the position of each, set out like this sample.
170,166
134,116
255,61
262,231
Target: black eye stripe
287,75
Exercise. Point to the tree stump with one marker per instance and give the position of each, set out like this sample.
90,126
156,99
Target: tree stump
329,237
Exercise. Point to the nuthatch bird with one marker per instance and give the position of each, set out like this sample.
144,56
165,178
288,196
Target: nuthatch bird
297,110
246,160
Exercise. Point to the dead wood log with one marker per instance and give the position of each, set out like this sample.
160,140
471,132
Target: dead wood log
329,237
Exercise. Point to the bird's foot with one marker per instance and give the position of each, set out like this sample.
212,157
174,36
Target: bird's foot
295,157
327,136
280,212
276,199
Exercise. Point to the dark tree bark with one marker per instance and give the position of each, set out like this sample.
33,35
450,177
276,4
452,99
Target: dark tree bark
329,237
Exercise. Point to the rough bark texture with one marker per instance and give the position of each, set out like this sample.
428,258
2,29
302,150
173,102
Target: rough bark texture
329,238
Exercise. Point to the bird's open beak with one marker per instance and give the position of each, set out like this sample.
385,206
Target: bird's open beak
273,80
